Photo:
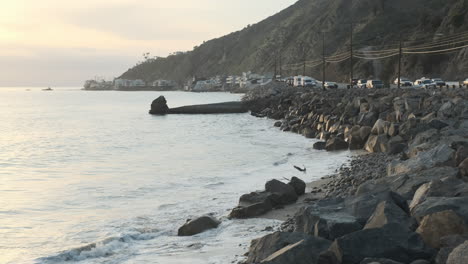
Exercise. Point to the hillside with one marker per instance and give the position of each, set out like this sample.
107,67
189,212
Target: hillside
295,32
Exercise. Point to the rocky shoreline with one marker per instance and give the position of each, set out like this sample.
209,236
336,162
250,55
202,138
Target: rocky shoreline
404,202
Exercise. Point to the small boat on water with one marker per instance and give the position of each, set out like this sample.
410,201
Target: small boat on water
48,89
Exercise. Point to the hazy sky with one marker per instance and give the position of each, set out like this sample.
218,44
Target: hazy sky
64,42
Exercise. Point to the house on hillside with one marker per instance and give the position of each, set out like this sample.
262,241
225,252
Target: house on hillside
129,83
163,83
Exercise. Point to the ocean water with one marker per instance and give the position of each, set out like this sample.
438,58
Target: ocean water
91,177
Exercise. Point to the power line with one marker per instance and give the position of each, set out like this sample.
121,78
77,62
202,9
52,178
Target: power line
434,51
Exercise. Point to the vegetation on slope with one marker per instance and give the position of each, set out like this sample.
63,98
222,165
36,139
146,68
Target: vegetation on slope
295,33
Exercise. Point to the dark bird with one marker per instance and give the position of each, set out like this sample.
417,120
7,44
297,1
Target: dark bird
301,169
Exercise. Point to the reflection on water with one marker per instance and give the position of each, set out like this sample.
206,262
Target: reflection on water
91,177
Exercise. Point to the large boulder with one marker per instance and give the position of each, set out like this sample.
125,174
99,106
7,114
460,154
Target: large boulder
435,226
461,155
257,197
320,145
393,241
377,143
332,226
159,106
441,155
464,168
364,132
287,193
379,261
306,218
306,251
263,247
367,119
380,127
199,225
459,255
437,204
446,187
363,206
388,212
396,145
254,210
448,244
335,144
298,185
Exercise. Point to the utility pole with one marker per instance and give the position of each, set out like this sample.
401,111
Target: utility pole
304,63
281,63
399,64
276,60
351,62
323,61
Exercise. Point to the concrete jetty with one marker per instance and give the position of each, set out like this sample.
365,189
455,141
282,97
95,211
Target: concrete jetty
159,107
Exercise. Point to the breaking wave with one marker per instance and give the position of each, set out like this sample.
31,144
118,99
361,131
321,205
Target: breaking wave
102,249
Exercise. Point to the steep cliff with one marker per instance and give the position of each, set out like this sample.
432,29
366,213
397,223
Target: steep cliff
295,33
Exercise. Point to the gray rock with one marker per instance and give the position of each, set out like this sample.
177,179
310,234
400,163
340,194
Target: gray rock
377,143
435,226
198,225
393,129
392,241
448,243
335,144
306,251
437,124
437,204
320,145
446,187
364,132
254,210
379,261
159,106
459,255
263,247
258,197
441,155
464,168
420,261
380,127
298,185
306,218
332,226
388,212
363,206
287,194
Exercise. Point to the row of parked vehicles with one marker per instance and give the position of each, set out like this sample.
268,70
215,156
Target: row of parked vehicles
306,81
426,83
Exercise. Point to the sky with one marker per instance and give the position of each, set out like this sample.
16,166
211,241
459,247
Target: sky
65,42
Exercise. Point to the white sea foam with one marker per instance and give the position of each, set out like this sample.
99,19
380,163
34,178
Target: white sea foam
95,170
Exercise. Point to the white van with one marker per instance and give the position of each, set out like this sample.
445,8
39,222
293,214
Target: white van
297,81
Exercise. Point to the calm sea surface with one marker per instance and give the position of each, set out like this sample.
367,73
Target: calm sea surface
90,177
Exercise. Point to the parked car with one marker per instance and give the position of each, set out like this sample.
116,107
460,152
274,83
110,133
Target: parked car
374,84
425,83
362,83
308,82
331,85
403,82
354,81
438,82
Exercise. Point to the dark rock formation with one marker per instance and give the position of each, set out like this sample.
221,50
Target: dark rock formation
159,106
392,241
199,225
